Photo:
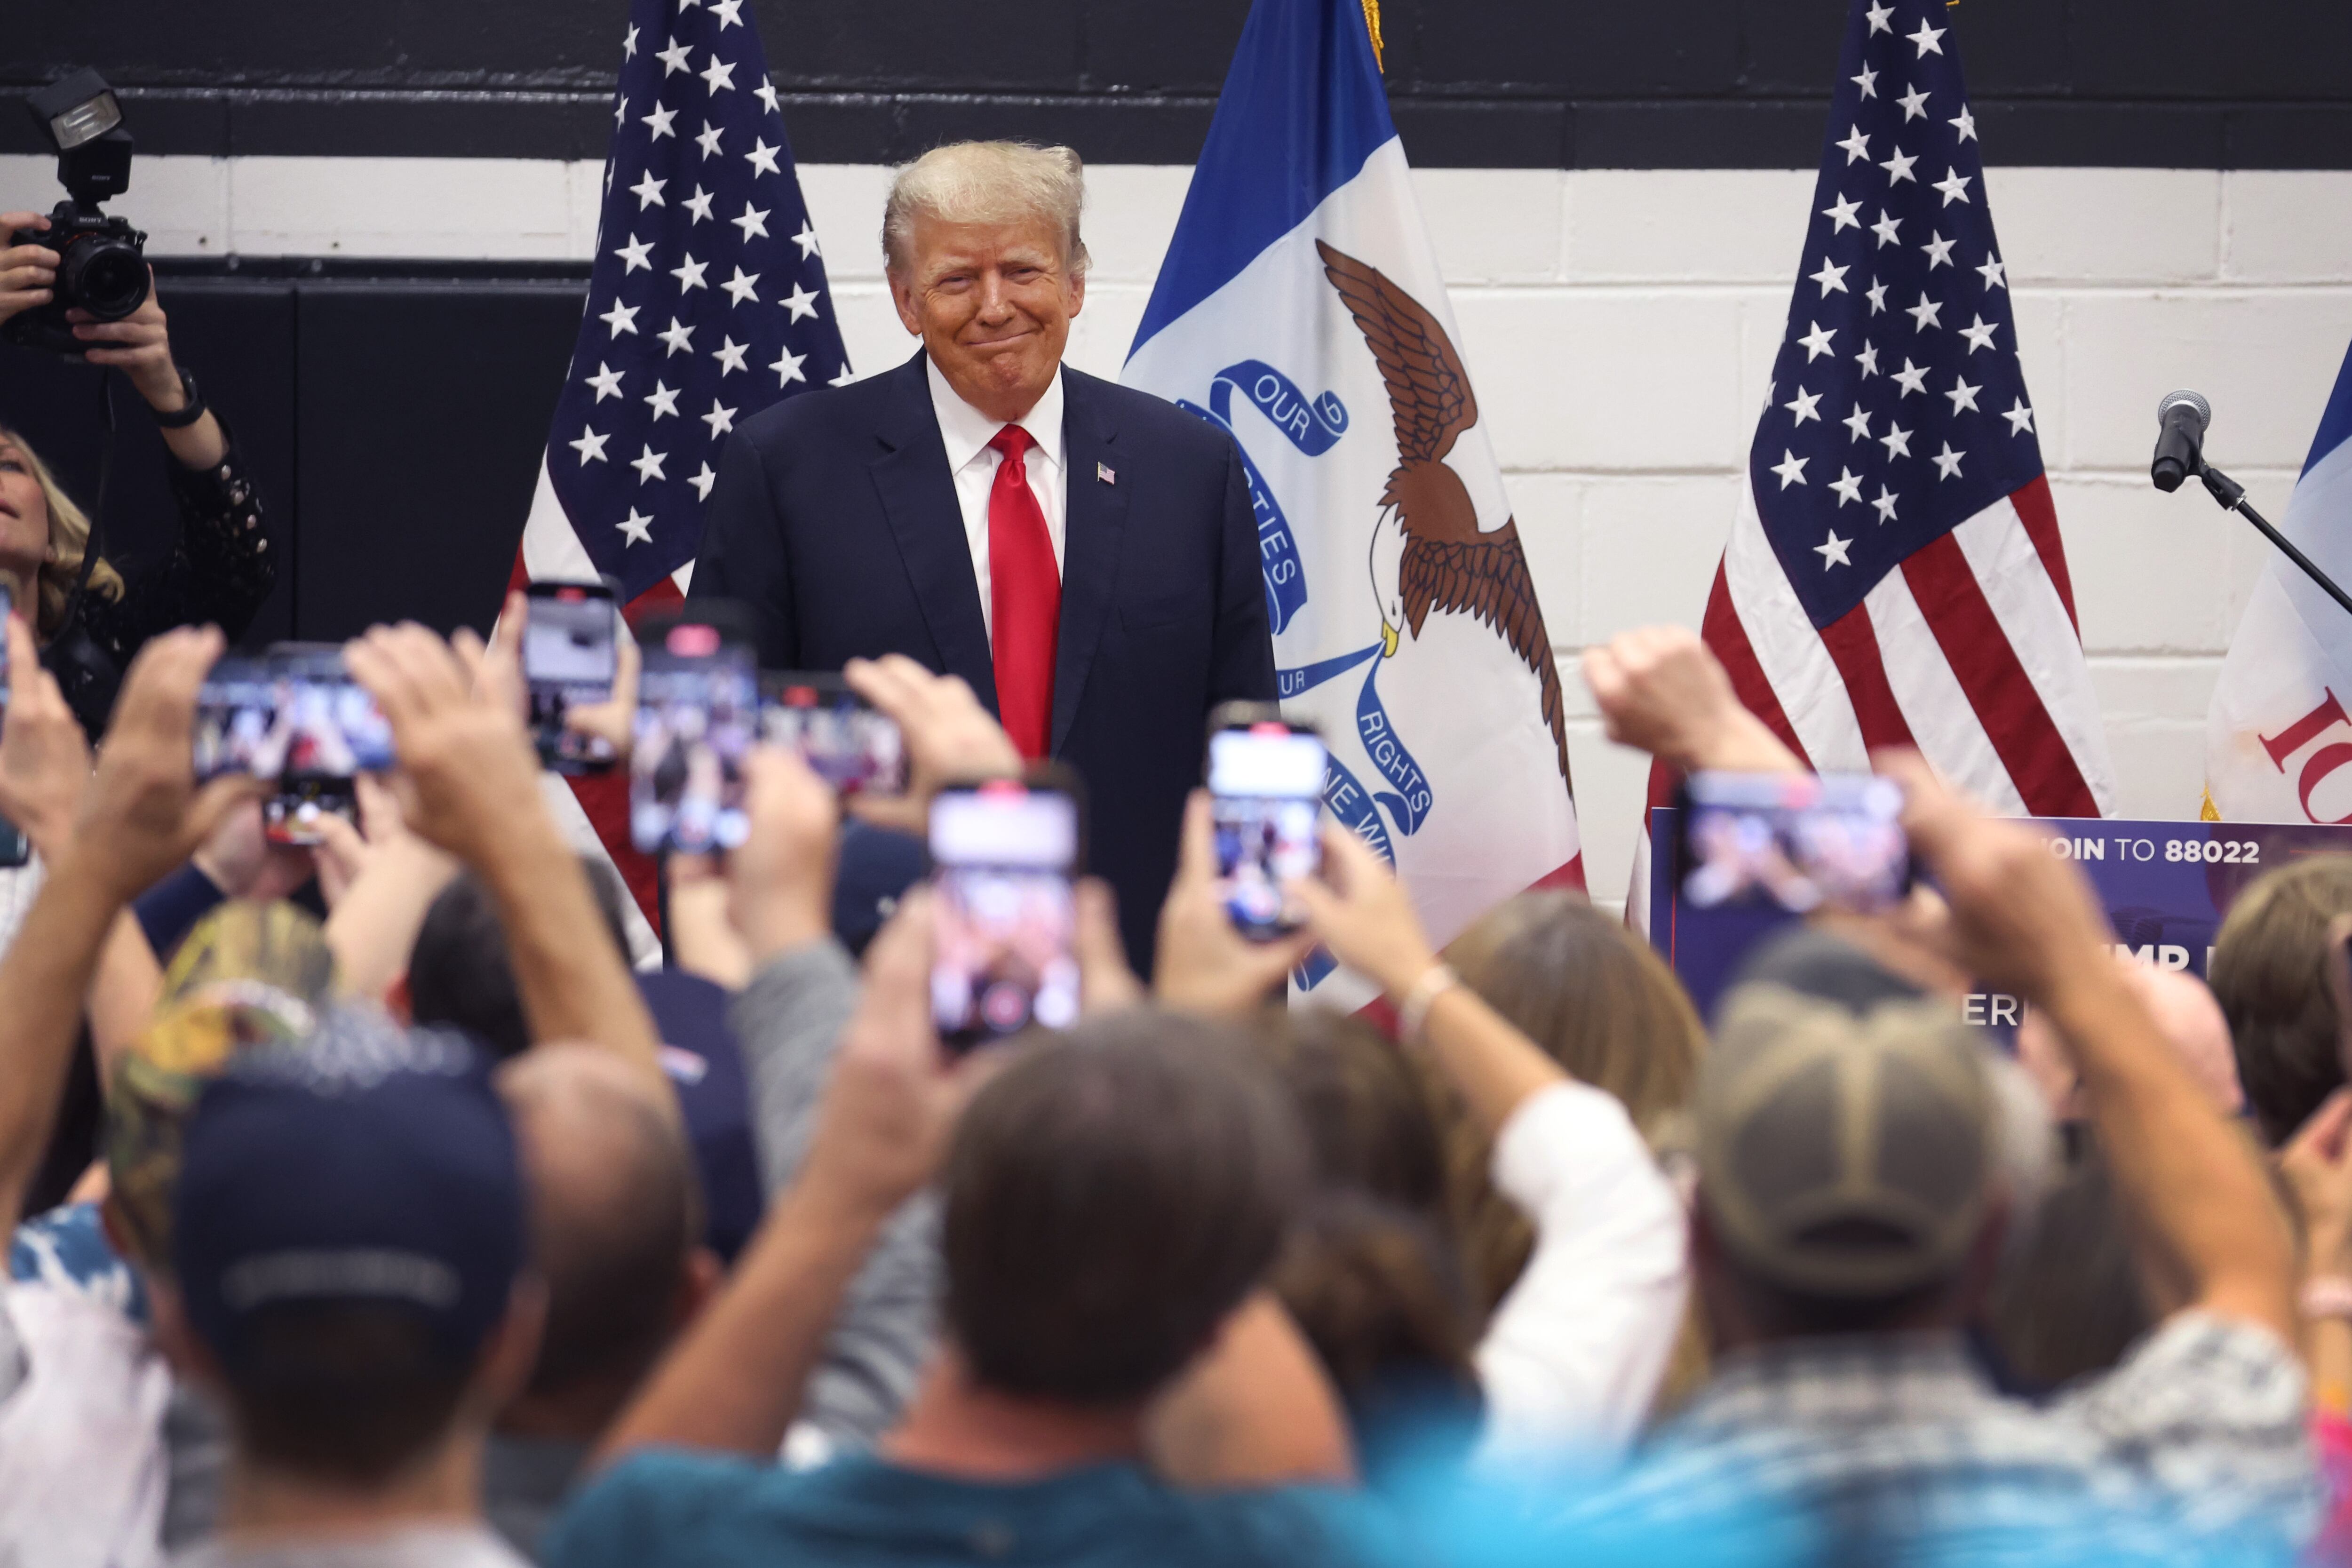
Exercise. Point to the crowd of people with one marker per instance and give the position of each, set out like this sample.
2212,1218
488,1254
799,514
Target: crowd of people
436,1233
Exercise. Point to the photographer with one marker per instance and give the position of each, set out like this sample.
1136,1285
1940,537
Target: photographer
90,619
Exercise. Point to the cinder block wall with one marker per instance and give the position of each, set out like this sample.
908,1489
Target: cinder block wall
1621,326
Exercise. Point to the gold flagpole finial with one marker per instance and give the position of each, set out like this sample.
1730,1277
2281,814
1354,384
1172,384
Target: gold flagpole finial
1373,26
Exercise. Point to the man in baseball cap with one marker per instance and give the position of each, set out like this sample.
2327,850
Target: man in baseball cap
1851,1204
1843,1156
348,1263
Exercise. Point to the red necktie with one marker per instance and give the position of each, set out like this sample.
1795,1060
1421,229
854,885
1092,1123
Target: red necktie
1024,594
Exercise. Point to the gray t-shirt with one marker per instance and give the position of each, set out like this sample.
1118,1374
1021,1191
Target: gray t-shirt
407,1546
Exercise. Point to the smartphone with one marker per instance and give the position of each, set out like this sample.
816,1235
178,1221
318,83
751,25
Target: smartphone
1792,841
835,731
294,716
698,718
1003,856
569,656
1265,780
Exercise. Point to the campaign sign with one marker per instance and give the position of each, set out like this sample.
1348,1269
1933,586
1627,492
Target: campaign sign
2166,887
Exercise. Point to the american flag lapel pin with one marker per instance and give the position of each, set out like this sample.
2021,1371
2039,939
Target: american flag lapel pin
1103,472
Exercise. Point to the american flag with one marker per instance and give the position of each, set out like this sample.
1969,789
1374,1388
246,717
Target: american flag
1895,576
707,303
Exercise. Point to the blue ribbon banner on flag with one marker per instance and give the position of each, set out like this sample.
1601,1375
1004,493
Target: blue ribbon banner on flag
1348,800
1311,424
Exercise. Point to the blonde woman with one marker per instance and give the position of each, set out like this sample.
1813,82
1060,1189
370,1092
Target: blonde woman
222,567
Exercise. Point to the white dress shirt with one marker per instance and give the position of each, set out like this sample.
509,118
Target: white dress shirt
967,433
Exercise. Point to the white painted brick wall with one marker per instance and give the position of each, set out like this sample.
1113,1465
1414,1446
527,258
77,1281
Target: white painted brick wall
1621,327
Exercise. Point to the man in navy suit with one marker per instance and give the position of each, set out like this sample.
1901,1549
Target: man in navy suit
1085,556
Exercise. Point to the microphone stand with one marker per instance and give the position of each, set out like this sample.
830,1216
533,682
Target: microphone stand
2232,496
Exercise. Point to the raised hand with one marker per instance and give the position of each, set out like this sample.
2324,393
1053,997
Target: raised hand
2019,917
1204,964
1362,913
28,273
780,879
466,767
243,863
949,737
143,813
896,1092
1660,690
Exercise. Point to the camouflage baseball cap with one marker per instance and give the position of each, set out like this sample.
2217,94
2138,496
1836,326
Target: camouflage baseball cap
247,975
1843,1150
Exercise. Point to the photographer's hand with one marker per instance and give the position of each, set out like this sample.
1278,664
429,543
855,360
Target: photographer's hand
140,346
28,273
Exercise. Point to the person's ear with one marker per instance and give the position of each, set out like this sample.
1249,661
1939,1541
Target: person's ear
504,1366
1075,288
902,296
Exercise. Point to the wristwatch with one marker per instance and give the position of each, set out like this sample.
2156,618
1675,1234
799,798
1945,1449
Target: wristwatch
190,411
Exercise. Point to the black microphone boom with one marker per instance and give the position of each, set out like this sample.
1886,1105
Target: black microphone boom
2180,452
2181,420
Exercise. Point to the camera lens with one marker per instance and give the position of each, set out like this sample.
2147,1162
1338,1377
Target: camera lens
104,276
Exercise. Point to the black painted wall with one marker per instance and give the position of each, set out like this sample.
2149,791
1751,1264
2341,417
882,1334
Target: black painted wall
394,418
1502,83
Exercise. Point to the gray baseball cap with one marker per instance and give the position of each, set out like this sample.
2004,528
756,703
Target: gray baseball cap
1846,1146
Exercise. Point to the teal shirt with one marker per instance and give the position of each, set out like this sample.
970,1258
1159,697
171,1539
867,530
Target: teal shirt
659,1508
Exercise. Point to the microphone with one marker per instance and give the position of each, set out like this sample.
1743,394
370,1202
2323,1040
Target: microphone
2181,420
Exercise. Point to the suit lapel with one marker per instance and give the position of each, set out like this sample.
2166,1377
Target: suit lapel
1095,526
920,497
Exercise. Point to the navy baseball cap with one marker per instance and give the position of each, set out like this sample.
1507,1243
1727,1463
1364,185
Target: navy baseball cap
371,1166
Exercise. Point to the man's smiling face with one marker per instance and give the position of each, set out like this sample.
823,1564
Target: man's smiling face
992,304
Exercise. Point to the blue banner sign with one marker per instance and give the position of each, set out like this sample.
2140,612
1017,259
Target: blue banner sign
2166,887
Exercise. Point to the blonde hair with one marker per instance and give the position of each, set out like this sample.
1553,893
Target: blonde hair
1596,1000
69,538
987,182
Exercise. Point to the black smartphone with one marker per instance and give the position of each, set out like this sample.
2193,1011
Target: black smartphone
698,719
14,849
1265,780
1792,841
835,731
294,716
1002,856
570,654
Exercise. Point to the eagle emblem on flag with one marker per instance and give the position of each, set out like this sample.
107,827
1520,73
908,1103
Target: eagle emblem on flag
1427,552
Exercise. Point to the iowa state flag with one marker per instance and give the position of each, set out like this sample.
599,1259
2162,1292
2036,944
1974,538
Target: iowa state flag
1300,306
2276,736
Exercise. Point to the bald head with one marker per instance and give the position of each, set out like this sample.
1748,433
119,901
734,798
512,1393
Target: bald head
2187,1017
615,1211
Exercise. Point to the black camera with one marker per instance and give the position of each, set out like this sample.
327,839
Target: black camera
101,261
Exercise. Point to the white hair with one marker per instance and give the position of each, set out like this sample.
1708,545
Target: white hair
987,182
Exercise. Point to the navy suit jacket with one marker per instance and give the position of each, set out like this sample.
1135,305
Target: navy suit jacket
834,519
